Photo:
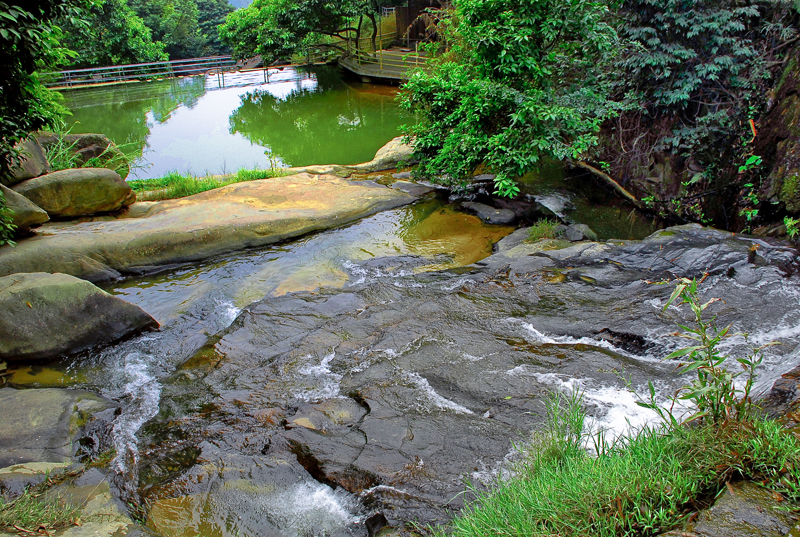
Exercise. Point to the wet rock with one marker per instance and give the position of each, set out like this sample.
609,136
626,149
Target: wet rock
101,515
490,215
576,232
253,495
16,478
402,175
25,213
42,425
238,216
413,188
33,163
415,382
45,316
744,510
77,192
89,146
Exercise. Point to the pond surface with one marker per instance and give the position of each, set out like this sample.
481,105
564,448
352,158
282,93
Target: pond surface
202,125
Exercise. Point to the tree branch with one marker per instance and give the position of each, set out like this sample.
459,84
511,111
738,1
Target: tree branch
613,184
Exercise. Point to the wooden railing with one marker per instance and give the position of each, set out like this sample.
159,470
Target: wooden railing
140,71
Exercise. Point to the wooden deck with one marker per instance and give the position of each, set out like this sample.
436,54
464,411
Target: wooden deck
390,64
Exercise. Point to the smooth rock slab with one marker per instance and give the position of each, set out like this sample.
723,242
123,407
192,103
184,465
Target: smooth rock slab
45,316
25,212
41,425
77,192
238,216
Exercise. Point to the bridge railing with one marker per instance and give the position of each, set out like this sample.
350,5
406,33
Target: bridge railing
138,71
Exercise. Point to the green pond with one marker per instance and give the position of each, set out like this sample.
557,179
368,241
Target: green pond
206,125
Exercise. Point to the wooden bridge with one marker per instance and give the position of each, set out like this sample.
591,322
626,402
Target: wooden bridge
395,64
115,74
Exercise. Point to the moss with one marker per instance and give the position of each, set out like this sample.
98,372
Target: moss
790,192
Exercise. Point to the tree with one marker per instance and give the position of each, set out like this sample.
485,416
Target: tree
211,16
112,34
522,80
277,29
173,22
698,72
29,41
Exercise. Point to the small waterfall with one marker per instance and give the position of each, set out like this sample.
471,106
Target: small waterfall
141,392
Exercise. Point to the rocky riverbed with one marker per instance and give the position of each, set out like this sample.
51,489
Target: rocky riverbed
321,413
374,401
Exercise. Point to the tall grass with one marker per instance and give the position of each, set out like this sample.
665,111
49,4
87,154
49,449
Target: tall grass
31,511
176,185
653,479
645,484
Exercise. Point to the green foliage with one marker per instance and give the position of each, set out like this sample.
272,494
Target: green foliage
542,229
176,185
521,81
277,29
697,73
111,34
29,41
31,511
174,23
211,14
792,226
646,483
714,391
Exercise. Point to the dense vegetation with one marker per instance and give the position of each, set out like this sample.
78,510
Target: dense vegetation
277,29
117,32
30,42
640,89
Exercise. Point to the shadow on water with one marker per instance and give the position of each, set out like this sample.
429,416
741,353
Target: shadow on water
293,117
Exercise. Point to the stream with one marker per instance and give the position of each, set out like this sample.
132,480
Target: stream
373,370
381,371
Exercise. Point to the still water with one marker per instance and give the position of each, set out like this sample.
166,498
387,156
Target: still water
204,125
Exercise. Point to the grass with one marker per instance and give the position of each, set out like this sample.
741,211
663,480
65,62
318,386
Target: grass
542,229
176,185
650,482
30,511
654,479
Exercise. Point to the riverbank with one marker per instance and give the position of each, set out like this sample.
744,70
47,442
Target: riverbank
151,235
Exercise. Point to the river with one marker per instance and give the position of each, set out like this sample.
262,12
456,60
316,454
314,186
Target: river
303,388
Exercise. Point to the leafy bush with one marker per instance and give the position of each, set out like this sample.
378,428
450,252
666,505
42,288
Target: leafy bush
522,80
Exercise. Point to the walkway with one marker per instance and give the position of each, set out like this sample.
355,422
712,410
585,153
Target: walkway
390,64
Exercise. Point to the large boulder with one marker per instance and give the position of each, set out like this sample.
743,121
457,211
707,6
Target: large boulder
41,426
238,216
33,163
45,316
77,192
25,213
88,147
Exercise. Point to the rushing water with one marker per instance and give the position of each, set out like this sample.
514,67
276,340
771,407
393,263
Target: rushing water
296,117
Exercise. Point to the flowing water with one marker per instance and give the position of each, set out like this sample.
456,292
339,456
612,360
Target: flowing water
298,389
258,119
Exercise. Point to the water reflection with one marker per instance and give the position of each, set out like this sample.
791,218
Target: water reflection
330,122
205,124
